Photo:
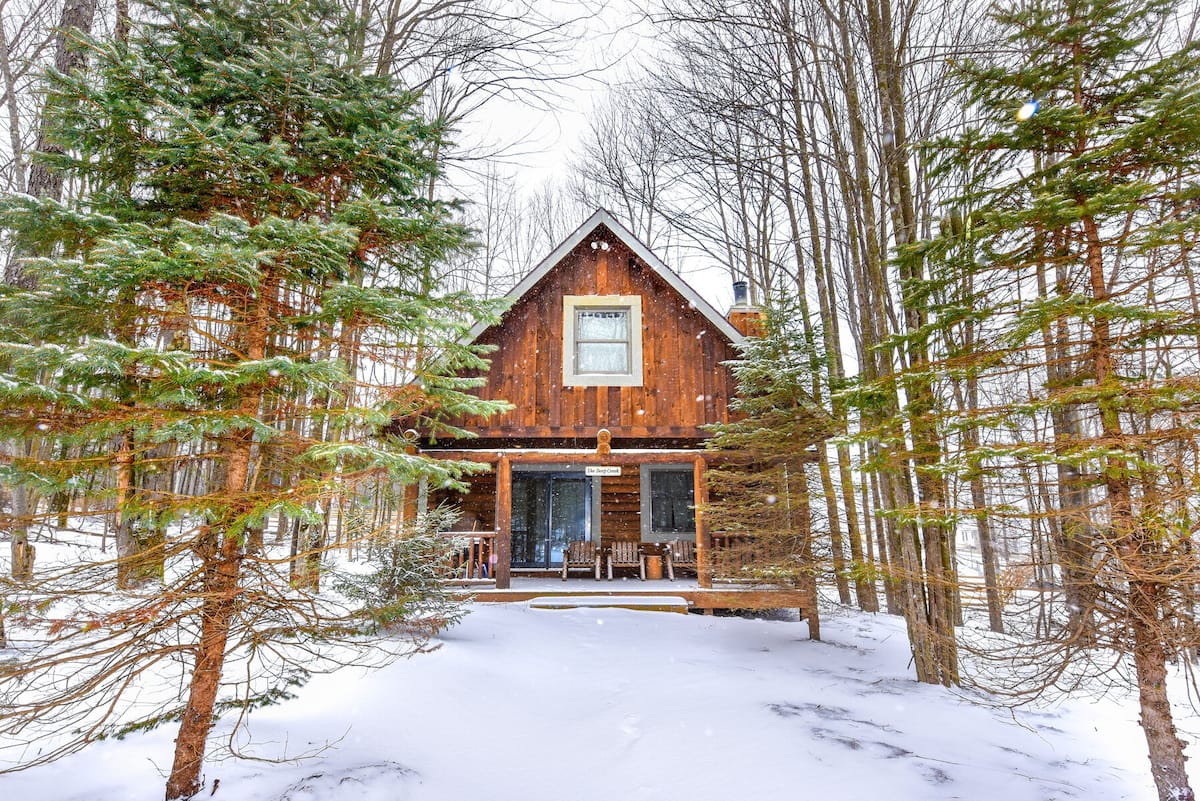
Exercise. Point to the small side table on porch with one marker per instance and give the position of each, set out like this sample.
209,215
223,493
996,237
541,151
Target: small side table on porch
654,567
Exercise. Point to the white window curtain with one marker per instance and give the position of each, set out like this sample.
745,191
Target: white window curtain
602,341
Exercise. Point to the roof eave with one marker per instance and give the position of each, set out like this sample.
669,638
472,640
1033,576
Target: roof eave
604,217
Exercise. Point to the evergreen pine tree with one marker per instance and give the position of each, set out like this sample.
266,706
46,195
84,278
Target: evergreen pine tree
760,501
239,287
1069,254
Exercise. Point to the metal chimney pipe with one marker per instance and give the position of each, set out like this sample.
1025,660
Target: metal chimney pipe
741,294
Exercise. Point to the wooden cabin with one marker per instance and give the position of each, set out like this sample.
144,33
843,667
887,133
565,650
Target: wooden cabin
614,365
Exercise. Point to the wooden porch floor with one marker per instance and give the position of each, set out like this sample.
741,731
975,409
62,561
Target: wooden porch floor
726,597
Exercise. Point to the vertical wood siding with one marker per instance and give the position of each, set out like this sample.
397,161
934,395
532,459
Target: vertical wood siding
685,385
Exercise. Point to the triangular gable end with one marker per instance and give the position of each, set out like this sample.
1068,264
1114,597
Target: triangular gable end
656,265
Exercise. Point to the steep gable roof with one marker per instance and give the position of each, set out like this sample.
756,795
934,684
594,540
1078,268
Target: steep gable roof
656,265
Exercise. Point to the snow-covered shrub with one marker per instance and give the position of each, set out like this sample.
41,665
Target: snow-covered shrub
405,584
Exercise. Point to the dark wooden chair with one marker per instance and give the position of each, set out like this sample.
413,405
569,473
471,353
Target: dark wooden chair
581,554
679,553
627,554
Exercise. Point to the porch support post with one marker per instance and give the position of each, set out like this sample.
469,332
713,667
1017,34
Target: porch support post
408,496
503,523
703,540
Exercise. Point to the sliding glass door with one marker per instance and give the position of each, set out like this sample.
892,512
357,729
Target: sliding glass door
549,510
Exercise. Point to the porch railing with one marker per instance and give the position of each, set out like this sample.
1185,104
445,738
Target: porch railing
737,557
473,554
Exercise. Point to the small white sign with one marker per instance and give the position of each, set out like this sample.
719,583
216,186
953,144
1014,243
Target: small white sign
603,470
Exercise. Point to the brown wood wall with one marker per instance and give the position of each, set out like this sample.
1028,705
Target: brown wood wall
478,506
620,506
685,385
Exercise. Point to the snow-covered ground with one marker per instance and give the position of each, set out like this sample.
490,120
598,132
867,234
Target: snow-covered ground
603,704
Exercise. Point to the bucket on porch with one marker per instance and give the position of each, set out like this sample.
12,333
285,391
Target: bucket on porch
654,567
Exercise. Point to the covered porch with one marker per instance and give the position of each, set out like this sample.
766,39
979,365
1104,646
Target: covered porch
519,519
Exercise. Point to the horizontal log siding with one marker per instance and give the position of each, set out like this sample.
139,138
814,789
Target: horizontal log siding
478,505
620,506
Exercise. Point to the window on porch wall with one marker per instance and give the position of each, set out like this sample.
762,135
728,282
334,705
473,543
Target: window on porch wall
668,504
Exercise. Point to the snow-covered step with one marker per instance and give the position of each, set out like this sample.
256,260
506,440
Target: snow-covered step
646,603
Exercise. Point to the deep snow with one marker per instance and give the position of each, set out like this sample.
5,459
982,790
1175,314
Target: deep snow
600,704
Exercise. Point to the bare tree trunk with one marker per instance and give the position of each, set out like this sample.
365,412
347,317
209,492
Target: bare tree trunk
987,551
809,202
14,114
801,512
863,563
835,529
77,15
872,508
121,26
130,568
864,589
907,573
22,550
983,526
939,578
1166,749
309,541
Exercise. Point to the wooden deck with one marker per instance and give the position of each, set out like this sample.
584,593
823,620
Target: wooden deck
641,603
724,598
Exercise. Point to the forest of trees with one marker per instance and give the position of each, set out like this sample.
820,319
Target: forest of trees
975,232
972,227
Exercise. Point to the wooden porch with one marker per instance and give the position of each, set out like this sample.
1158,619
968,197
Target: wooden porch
485,570
725,595
490,503
726,598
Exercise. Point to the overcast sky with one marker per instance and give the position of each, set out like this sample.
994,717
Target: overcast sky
602,50
542,134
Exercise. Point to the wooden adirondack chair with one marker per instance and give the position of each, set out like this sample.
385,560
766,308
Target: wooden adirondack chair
581,554
627,554
679,553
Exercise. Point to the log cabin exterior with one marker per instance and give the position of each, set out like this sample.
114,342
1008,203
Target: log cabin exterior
614,366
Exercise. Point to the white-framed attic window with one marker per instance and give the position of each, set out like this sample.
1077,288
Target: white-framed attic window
602,340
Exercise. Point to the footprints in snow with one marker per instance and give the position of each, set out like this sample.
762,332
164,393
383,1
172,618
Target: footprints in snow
844,737
377,780
825,712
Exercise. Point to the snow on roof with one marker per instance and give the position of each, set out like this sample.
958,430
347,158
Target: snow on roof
657,265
